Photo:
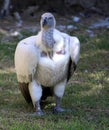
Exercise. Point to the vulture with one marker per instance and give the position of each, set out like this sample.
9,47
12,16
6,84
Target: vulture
45,62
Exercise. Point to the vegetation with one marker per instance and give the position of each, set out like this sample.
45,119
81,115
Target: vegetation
86,95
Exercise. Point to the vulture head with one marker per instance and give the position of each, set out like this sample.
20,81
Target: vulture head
47,21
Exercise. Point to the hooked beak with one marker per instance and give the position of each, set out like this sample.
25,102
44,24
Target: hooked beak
44,22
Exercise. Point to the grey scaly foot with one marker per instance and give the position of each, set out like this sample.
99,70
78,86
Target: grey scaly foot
58,110
39,113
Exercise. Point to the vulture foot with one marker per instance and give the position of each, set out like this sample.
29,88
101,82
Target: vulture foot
39,113
58,110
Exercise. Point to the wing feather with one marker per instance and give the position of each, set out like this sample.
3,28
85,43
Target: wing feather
74,52
74,55
25,91
74,49
26,59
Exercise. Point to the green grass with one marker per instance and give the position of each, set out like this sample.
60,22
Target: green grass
86,95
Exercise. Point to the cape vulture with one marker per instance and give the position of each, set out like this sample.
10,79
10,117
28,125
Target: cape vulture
44,62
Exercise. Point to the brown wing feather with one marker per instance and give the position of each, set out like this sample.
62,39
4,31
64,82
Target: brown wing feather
47,91
71,69
25,91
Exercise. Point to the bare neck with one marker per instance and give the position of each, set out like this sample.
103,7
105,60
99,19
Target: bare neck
47,38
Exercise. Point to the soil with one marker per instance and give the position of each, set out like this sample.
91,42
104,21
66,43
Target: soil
10,24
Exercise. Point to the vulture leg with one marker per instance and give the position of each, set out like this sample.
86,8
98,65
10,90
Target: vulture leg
58,92
36,93
38,109
58,107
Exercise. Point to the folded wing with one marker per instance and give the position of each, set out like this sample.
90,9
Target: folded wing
26,59
74,50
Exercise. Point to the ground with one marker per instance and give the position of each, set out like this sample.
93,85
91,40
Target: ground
86,95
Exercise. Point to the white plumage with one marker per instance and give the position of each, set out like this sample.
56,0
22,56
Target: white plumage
35,69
